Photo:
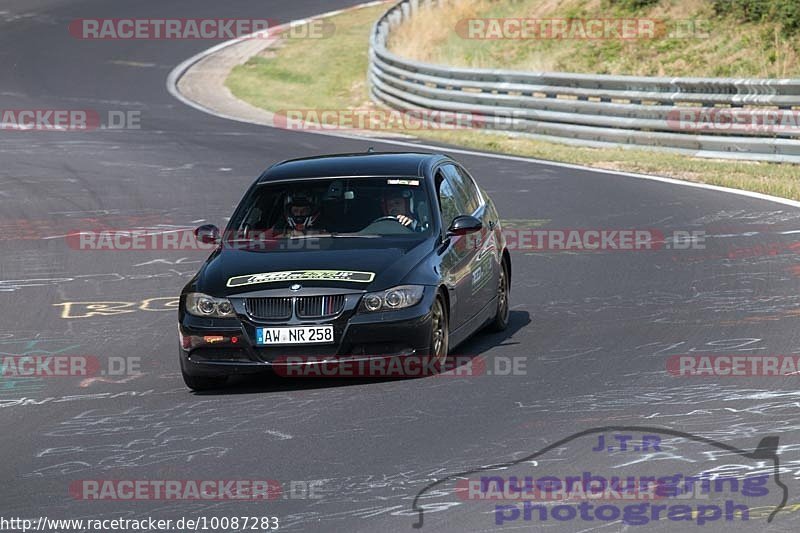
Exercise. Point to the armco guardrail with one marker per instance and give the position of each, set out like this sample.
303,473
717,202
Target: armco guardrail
709,117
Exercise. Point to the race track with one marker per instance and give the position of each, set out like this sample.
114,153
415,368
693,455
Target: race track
595,330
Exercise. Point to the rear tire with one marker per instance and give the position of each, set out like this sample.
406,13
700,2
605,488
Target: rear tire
202,383
500,322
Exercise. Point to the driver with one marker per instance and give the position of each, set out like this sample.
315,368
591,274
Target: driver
397,204
301,215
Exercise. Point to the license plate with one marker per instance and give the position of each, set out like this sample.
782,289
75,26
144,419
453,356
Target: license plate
295,335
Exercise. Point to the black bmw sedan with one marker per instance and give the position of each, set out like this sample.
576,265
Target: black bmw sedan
346,258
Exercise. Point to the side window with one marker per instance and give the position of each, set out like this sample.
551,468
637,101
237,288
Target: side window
448,202
470,187
463,188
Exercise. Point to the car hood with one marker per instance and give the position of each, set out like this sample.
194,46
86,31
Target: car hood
347,263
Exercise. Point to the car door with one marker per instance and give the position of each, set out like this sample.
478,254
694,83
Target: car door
488,260
485,268
456,256
462,272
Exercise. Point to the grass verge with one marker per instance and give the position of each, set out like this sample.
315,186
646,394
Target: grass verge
691,38
331,74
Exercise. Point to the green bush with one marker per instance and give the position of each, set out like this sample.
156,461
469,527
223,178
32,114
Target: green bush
785,13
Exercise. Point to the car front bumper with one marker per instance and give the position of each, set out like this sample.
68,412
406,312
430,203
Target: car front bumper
214,347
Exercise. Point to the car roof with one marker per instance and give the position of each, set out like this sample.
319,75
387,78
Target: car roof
345,165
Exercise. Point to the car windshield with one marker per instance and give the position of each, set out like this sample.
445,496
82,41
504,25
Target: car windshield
336,207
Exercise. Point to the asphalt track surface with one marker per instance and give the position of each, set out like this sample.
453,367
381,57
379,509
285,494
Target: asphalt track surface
594,330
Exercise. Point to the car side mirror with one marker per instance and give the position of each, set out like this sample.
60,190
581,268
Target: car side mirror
464,224
207,234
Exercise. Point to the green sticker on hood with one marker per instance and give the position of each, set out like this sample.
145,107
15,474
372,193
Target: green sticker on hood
302,275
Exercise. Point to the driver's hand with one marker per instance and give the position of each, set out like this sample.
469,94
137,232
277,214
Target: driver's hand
404,220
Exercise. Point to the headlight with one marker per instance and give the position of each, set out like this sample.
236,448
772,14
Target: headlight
199,304
391,299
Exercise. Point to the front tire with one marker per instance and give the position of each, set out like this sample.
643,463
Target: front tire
440,332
